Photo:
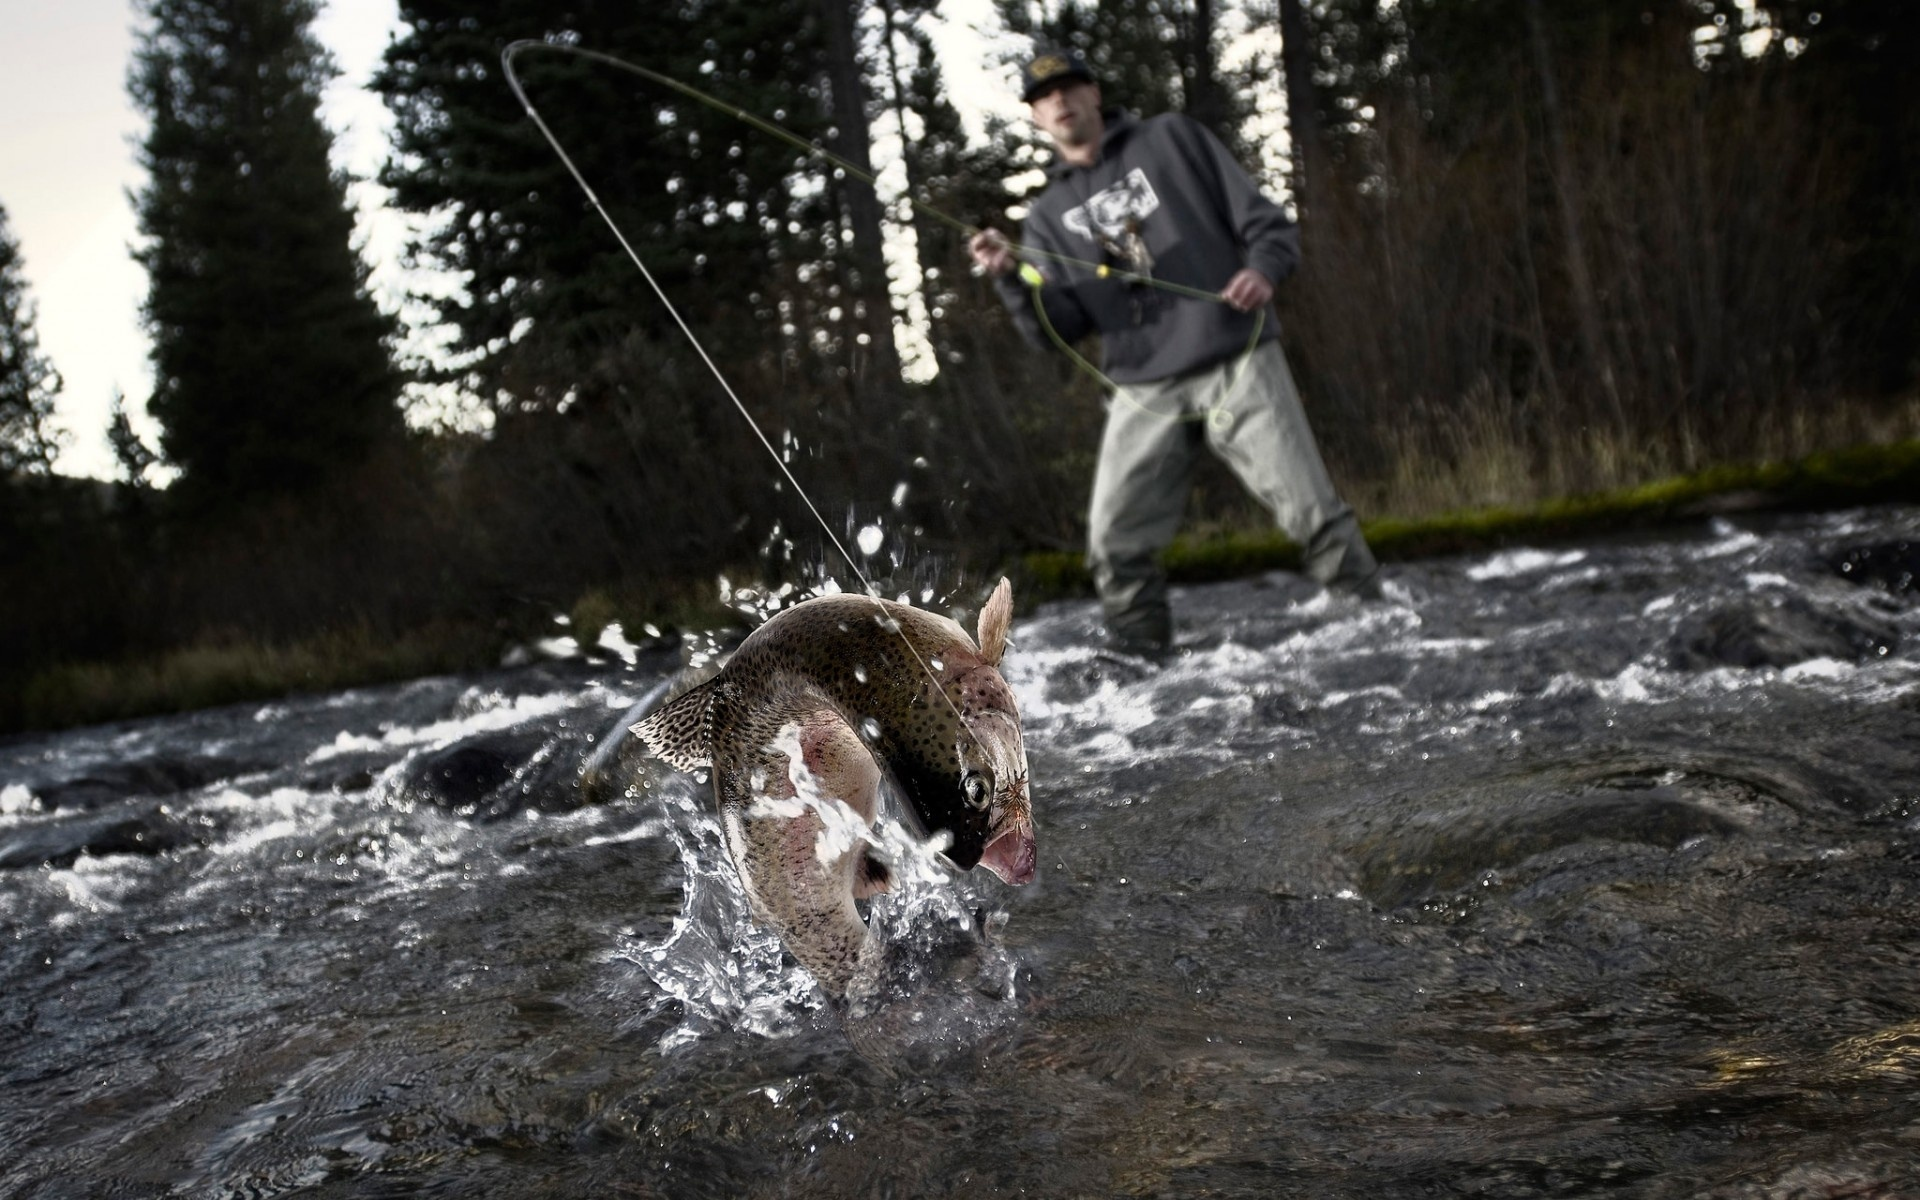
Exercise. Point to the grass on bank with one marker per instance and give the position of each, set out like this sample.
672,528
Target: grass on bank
231,670
226,671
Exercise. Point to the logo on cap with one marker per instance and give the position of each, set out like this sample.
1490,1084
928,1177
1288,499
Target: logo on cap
1047,64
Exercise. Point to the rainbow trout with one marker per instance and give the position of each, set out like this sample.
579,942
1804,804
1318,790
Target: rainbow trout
815,709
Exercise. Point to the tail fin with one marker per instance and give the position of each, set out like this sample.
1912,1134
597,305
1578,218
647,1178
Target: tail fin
680,732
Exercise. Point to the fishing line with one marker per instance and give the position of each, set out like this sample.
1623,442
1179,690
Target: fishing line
1216,415
1030,254
513,81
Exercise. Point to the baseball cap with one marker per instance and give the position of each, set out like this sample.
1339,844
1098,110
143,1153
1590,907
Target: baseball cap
1048,67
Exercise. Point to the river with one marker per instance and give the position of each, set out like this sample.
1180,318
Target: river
1581,869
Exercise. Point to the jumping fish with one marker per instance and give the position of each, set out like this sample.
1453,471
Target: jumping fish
814,710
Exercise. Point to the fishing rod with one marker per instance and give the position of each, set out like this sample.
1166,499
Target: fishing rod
1029,271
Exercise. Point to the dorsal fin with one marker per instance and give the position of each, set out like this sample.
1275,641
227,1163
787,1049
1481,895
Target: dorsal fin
996,617
679,732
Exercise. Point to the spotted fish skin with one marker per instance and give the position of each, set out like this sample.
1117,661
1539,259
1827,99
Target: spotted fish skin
800,727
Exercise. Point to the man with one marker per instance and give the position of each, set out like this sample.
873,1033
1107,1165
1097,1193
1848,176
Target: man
1161,198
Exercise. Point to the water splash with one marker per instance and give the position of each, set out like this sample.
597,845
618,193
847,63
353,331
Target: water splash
947,985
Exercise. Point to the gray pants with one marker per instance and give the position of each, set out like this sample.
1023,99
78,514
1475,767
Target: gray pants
1248,413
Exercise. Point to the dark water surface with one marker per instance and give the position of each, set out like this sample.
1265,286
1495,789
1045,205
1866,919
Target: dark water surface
1564,872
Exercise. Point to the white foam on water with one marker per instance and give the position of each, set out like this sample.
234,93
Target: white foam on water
613,639
1364,629
520,710
345,742
16,800
1818,668
1441,647
286,811
1731,540
1513,563
1570,579
1379,691
95,886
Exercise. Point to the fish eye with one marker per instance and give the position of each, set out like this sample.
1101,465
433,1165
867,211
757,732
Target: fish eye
976,789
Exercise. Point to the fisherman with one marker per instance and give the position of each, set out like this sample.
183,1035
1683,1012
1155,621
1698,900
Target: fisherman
1161,199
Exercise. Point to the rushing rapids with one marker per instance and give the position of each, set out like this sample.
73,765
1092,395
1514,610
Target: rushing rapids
1567,870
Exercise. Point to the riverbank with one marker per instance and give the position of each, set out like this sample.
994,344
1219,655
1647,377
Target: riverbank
226,672
1858,475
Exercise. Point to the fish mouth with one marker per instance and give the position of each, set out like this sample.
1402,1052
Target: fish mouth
1010,856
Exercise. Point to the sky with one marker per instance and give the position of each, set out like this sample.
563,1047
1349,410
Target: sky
68,164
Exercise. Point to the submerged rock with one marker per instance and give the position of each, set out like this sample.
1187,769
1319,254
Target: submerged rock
156,776
1775,635
143,829
491,776
1422,860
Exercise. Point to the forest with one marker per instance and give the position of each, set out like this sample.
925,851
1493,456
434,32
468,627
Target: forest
1551,249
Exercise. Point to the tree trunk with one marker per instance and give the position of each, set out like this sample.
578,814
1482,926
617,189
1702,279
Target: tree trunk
1205,104
1303,105
1579,279
852,139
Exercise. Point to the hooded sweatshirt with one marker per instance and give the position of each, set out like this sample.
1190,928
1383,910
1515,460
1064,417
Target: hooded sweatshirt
1170,184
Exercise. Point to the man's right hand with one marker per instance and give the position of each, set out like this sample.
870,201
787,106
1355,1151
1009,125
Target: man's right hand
991,251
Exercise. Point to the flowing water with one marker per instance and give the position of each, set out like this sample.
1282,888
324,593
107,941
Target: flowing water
1564,871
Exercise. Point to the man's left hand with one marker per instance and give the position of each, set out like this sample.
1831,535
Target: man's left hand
1247,290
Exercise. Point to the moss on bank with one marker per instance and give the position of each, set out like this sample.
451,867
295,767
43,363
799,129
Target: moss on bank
228,671
1835,479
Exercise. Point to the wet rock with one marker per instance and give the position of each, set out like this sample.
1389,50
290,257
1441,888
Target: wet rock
1894,566
1074,681
343,778
495,775
1776,635
1423,860
161,775
145,829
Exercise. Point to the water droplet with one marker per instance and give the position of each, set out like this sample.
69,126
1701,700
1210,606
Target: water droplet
860,672
870,539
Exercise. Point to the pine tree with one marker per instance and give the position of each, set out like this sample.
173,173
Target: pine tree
1852,62
727,219
944,174
1152,56
130,450
271,361
28,382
